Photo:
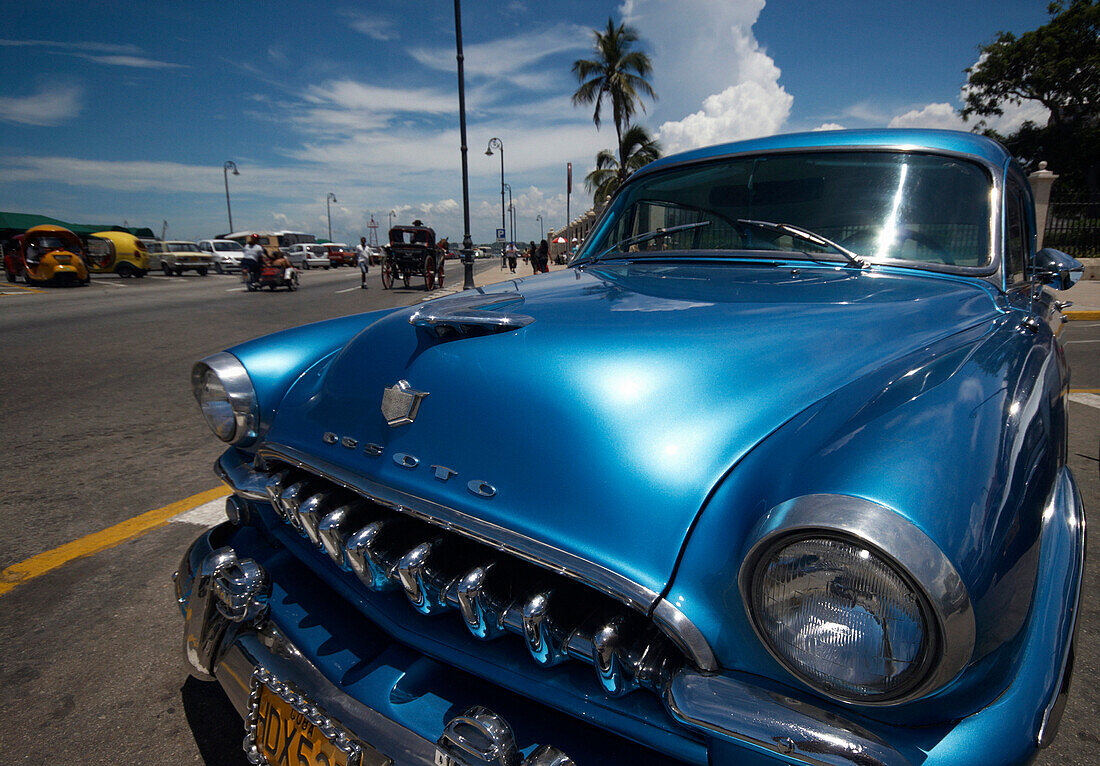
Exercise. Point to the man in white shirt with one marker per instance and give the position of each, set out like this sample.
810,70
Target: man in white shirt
362,257
252,258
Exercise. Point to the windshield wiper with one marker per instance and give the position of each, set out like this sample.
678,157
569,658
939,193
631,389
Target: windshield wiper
650,235
806,236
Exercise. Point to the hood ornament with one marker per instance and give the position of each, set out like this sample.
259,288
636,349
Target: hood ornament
400,403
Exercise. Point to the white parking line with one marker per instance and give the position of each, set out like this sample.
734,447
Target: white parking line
348,290
1092,400
236,290
205,515
112,284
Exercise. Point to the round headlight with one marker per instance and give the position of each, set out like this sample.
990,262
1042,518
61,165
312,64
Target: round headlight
226,397
842,617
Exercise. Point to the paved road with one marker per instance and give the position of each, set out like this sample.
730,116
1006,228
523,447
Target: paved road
99,426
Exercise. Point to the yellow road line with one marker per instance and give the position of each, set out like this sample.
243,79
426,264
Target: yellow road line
1084,390
98,541
1090,316
21,288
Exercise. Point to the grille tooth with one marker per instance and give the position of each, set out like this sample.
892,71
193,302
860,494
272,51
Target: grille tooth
614,664
544,637
483,614
310,513
290,499
367,559
275,486
423,586
335,528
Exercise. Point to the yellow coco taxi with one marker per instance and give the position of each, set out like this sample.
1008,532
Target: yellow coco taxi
50,254
117,252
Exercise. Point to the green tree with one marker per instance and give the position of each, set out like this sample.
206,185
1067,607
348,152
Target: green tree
618,75
636,150
1058,66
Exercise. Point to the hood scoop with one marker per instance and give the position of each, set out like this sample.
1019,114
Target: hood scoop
471,314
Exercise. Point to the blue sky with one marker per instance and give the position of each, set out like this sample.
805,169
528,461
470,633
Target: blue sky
113,112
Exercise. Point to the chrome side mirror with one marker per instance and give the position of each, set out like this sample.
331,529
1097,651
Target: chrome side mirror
1055,268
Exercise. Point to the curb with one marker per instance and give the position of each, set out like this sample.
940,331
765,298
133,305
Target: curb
1090,316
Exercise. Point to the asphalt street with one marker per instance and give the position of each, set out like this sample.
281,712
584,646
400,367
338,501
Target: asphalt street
99,426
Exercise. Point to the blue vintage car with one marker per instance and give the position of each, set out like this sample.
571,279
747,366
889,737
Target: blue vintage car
775,472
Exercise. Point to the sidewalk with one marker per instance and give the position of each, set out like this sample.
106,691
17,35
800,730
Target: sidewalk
1085,297
490,276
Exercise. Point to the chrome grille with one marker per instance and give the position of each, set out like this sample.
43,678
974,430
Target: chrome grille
495,594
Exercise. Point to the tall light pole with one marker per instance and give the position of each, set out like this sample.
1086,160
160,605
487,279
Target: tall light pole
512,220
392,214
512,239
496,142
229,164
542,230
467,242
330,198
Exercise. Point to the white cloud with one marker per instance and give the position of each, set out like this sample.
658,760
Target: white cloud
50,106
513,58
723,69
941,115
828,126
374,27
81,46
138,62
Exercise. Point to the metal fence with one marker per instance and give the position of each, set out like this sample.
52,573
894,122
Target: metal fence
1073,224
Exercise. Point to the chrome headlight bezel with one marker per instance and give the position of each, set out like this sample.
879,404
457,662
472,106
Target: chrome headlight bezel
240,396
902,546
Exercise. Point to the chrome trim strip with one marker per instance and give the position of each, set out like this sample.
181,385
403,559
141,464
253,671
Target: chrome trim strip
795,730
900,540
688,638
1067,493
249,483
546,556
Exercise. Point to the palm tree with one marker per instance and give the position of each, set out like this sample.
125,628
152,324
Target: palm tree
637,149
618,73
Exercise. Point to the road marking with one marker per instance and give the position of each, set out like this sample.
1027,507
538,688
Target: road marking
206,515
348,290
236,290
102,540
21,290
112,284
157,276
1071,342
1083,315
1084,390
1092,400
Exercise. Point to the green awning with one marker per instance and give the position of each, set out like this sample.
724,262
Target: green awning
17,223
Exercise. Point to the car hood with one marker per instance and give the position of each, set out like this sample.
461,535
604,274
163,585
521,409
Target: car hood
604,423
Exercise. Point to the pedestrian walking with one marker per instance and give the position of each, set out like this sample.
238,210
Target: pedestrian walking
512,254
544,257
252,259
534,258
362,259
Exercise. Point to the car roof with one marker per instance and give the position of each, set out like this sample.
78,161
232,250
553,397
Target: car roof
949,141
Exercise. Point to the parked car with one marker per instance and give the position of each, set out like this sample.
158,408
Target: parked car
307,256
46,255
785,482
340,254
178,256
225,254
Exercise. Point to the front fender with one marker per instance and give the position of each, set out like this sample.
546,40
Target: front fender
964,440
275,361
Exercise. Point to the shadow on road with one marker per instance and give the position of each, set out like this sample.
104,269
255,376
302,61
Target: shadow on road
215,725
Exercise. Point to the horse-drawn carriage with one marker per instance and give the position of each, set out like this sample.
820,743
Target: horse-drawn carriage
412,252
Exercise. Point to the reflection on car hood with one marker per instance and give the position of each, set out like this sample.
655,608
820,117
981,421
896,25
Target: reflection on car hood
605,422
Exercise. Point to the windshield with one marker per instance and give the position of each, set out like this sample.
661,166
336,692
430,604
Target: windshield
880,205
182,247
228,246
315,249
47,242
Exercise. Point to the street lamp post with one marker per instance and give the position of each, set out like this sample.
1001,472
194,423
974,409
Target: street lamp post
542,230
392,214
467,242
330,198
512,238
229,164
497,143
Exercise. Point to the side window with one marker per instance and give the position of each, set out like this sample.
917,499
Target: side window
1015,236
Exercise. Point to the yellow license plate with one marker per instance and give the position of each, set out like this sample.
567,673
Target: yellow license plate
286,737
